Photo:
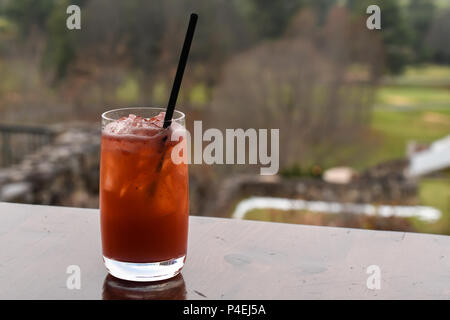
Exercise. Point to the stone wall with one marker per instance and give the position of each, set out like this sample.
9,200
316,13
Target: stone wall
382,184
64,172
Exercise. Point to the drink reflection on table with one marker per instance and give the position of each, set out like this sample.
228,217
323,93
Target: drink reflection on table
117,289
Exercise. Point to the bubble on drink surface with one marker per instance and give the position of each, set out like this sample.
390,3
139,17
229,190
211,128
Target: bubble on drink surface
136,125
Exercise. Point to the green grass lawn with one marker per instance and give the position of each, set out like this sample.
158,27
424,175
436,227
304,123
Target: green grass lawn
436,193
412,106
422,76
413,98
397,128
418,88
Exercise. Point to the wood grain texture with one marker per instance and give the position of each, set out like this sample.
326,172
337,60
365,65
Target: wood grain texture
227,259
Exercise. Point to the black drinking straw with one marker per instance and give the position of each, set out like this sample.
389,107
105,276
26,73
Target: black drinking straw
180,70
176,86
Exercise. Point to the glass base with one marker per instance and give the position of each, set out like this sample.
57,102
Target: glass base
144,272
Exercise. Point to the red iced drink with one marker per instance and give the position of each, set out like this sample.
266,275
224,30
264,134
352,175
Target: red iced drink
143,192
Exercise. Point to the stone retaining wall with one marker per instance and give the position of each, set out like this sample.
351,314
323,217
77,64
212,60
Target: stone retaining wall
382,184
64,172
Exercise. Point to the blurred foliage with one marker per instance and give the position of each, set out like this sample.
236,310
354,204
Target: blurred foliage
128,91
313,171
268,18
46,17
28,14
160,93
199,96
149,31
395,31
60,50
437,38
420,14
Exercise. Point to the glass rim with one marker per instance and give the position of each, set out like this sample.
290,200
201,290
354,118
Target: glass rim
177,115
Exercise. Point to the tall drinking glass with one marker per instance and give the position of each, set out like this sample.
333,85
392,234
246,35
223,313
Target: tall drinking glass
143,194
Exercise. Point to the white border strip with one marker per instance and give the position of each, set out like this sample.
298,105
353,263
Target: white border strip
428,214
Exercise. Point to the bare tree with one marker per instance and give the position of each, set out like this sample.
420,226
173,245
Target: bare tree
315,86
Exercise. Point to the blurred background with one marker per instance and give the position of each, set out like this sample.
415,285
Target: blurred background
364,115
